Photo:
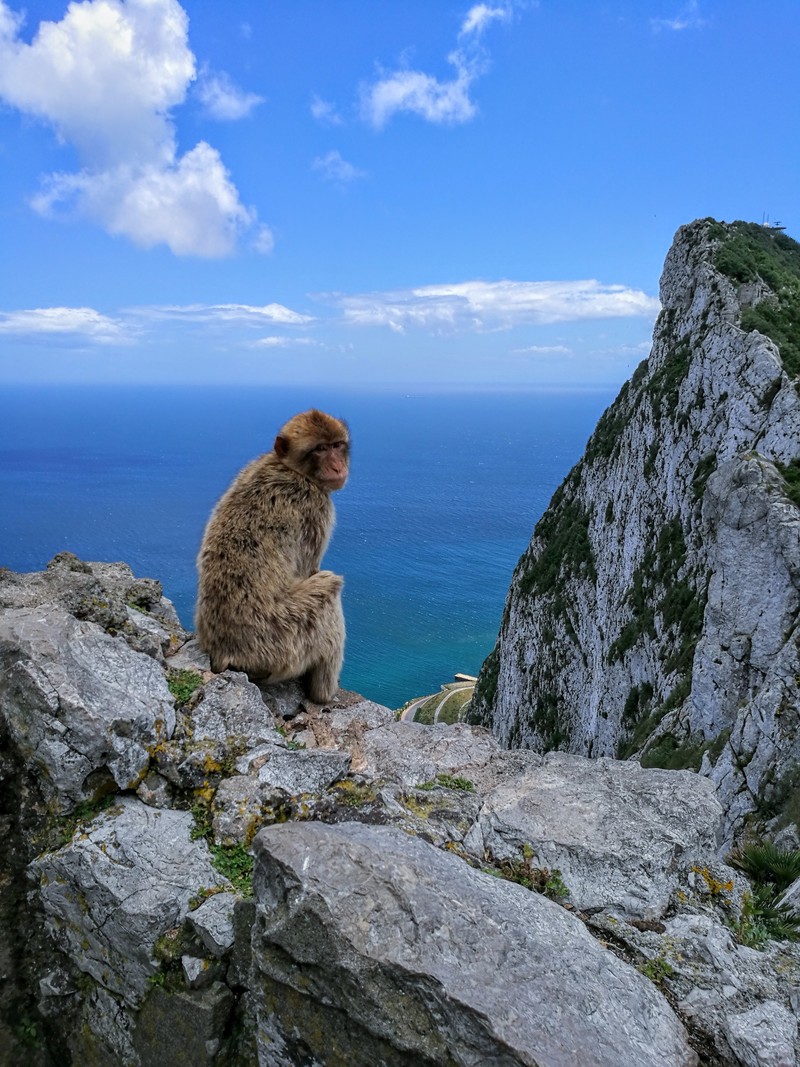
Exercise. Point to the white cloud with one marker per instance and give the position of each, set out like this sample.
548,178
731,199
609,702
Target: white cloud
336,169
190,204
437,101
283,342
481,15
478,305
542,350
247,314
225,101
420,94
688,18
105,78
323,111
82,323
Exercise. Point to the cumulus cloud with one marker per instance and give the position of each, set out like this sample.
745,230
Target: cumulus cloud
438,101
106,78
335,169
479,305
84,324
223,100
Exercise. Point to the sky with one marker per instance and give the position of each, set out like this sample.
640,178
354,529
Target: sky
373,193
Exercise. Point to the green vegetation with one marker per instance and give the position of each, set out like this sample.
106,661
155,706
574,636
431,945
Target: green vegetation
486,687
657,969
749,252
675,755
605,439
542,880
567,549
764,917
450,710
448,781
791,475
702,473
664,384
680,606
183,683
235,863
354,794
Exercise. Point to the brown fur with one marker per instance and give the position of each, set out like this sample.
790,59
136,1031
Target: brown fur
263,605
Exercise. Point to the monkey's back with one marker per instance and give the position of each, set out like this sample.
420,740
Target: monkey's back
267,533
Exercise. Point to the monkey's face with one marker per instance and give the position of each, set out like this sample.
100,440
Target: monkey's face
318,446
330,464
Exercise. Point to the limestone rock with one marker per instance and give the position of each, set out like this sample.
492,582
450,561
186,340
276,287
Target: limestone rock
213,923
76,701
230,709
118,886
764,1036
620,835
655,611
361,956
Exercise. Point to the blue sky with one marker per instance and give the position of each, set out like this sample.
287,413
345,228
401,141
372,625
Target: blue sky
365,192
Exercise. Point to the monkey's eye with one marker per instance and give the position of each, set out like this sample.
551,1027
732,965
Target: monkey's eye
320,449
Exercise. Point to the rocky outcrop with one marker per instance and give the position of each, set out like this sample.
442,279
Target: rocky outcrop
277,884
655,613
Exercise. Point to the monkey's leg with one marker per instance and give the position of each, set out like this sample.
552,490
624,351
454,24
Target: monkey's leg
323,677
320,621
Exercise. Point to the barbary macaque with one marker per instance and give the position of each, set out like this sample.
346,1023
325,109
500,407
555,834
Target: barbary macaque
263,604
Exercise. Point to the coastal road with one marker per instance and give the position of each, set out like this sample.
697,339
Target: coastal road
411,710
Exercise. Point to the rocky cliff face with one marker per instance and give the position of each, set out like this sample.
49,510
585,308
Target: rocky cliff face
655,612
198,871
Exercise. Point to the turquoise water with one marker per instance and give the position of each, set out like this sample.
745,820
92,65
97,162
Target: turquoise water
444,492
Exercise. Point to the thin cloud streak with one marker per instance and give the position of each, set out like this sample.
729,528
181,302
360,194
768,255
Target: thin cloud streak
82,323
481,306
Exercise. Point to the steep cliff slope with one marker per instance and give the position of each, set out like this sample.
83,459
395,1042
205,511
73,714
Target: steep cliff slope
655,612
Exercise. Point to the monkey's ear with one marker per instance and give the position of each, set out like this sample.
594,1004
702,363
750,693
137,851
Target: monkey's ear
281,446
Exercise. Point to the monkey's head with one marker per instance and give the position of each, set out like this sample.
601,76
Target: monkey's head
318,446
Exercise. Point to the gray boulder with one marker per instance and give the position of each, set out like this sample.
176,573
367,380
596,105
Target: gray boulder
364,953
76,701
620,835
118,886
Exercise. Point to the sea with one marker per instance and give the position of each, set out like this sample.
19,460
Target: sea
445,490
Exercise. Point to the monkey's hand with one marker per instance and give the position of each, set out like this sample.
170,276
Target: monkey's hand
323,585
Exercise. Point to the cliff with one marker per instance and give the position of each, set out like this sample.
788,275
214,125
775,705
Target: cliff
655,613
197,871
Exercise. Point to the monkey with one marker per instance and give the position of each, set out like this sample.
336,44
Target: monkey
263,605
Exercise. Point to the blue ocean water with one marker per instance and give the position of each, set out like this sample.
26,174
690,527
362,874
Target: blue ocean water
444,493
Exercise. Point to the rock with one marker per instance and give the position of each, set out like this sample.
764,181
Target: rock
360,956
411,754
76,701
655,611
620,835
200,973
213,923
230,710
119,886
155,791
183,1027
303,772
764,1036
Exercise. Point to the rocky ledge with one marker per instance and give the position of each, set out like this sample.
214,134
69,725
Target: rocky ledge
200,871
